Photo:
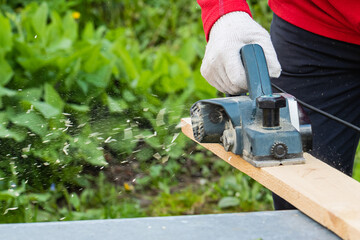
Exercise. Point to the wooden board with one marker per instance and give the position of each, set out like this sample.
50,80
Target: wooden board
318,190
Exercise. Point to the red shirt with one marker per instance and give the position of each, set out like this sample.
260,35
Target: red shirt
334,19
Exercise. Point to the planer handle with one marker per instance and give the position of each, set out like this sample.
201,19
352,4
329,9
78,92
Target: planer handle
256,70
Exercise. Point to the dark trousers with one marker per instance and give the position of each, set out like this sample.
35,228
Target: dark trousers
326,74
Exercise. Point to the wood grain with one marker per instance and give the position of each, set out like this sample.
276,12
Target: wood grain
323,193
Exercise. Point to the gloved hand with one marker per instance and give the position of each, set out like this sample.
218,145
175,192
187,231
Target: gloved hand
221,65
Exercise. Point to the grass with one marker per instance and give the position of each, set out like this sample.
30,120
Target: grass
356,173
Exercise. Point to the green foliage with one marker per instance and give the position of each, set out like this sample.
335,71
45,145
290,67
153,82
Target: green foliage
241,191
152,21
60,205
71,95
236,192
356,173
180,203
261,12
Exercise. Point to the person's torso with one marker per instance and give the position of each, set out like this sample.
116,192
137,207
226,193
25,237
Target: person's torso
334,19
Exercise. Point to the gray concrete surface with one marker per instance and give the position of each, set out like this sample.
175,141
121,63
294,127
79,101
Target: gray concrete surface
250,226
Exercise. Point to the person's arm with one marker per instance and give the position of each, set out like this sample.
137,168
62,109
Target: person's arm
212,10
221,65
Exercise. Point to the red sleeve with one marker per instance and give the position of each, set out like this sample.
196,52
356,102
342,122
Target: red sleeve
212,10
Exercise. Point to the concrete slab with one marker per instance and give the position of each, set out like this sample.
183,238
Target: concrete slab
276,225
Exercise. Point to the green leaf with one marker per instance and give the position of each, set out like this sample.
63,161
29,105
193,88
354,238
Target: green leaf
75,69
83,86
7,92
227,202
60,44
129,96
177,76
88,33
6,71
143,181
155,170
6,42
79,108
70,27
89,150
39,197
30,94
203,89
161,64
127,61
100,78
147,79
55,33
116,105
75,201
187,51
100,32
52,97
15,133
94,60
145,154
46,109
39,20
179,68
32,121
153,141
4,118
7,194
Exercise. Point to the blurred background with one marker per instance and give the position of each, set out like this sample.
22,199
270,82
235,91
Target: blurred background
91,96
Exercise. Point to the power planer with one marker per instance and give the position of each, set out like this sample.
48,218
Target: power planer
266,129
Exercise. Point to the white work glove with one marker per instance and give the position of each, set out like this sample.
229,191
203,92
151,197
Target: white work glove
222,66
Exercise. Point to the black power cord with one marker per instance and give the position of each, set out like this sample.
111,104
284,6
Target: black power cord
328,115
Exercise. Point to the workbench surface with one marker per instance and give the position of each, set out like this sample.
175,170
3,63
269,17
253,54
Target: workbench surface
275,225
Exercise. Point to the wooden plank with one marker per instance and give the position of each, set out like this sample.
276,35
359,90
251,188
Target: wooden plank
323,193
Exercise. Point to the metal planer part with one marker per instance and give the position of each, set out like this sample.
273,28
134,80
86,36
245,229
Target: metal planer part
266,129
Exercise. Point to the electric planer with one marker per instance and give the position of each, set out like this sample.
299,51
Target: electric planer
266,129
